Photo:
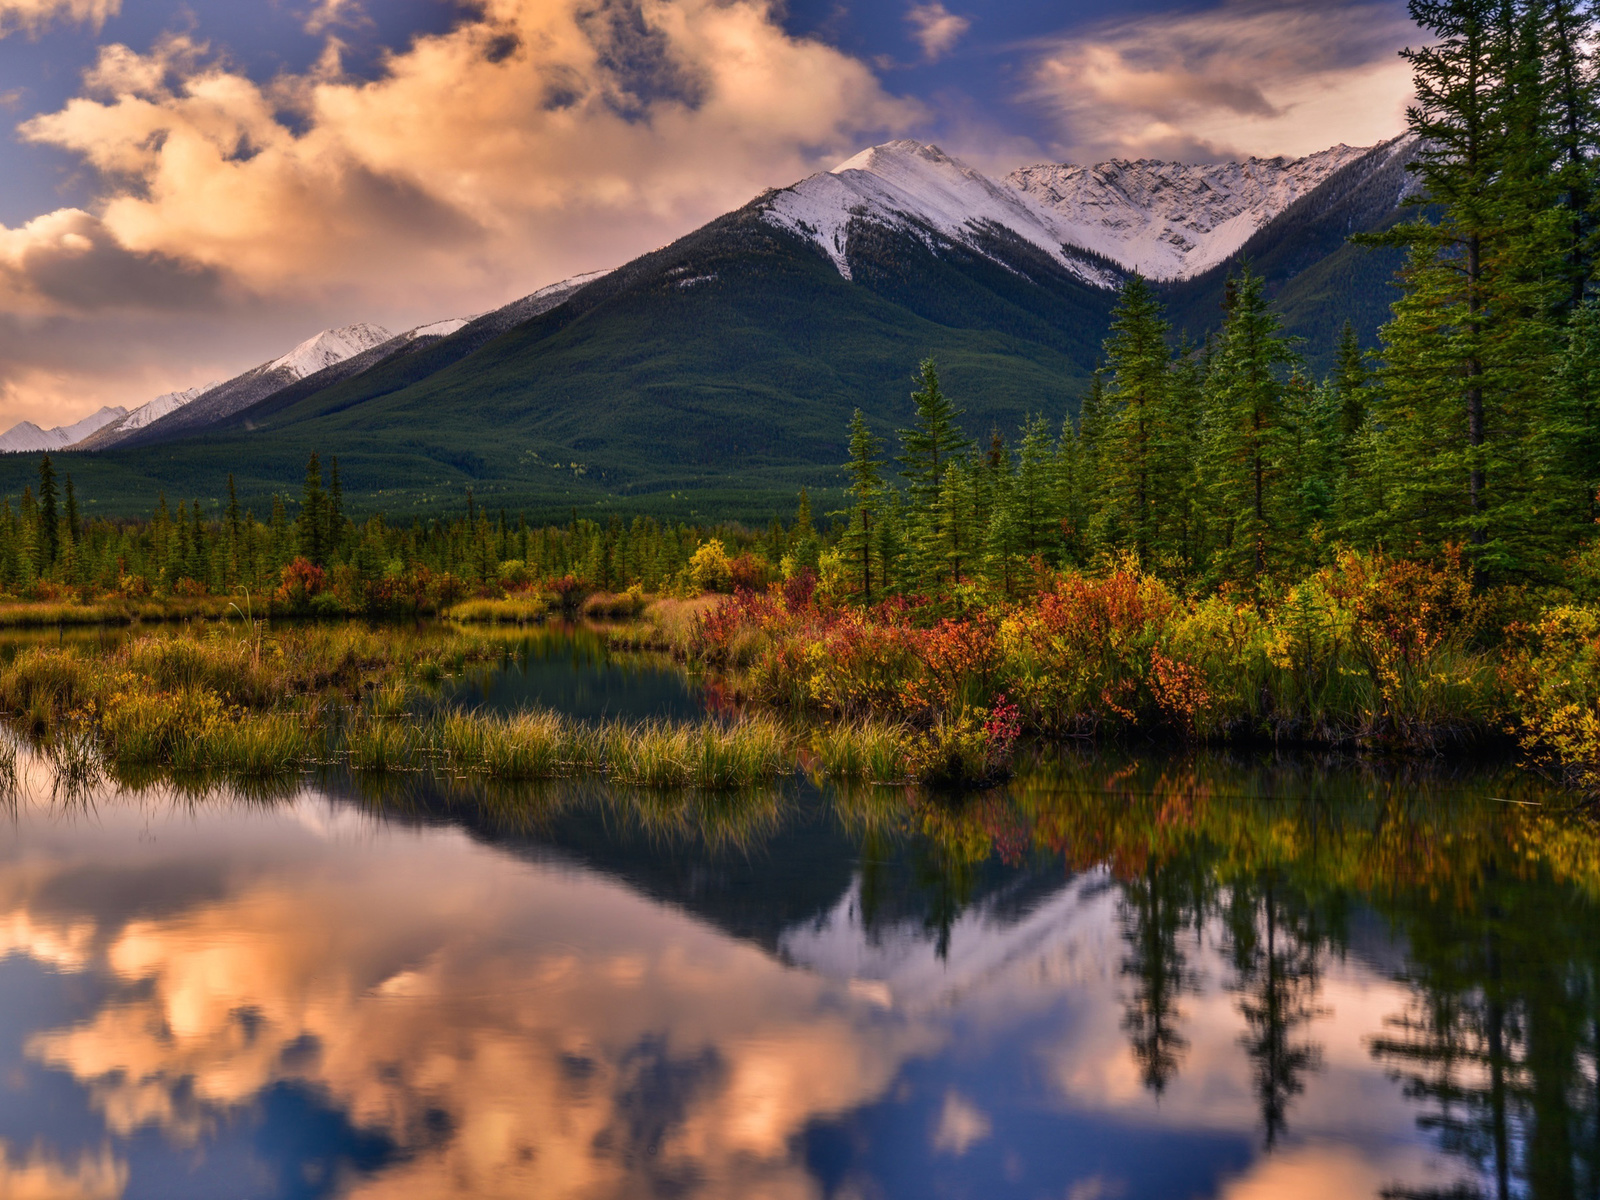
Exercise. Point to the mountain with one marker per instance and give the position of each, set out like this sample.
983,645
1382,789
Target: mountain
718,374
26,437
316,353
1315,278
921,190
1173,220
113,431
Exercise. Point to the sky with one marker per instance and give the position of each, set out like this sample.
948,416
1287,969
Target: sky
190,187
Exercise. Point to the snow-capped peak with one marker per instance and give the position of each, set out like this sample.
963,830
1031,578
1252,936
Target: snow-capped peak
26,437
1166,220
1173,220
907,185
329,347
162,405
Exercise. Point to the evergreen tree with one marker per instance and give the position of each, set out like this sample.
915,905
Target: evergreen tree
1575,395
928,450
866,492
1037,517
1243,459
47,541
1004,530
1138,428
335,506
312,524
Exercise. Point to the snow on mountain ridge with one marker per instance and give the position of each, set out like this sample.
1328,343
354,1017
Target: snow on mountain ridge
1173,220
329,347
162,405
1166,220
26,437
917,188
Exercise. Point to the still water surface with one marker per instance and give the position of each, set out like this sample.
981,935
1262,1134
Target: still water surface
1118,977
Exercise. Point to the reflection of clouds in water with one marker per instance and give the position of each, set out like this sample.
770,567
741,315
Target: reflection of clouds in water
570,1037
35,1175
962,1124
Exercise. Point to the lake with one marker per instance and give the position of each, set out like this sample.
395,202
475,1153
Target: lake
1122,976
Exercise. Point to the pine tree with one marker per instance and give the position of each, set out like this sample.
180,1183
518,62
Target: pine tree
866,492
928,449
312,524
1038,518
335,506
1004,533
47,541
1243,458
1138,425
1471,343
1575,415
955,519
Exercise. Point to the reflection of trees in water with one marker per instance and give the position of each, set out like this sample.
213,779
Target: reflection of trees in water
1500,1041
1274,940
1159,909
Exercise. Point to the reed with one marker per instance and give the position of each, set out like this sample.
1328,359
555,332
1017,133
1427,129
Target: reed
382,745
519,609
864,749
707,755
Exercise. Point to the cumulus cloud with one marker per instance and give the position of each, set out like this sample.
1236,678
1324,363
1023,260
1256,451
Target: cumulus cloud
534,140
32,16
936,29
1248,77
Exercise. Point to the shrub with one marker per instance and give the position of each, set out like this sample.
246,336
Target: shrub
709,568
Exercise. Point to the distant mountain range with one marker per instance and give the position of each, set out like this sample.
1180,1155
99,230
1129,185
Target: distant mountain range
719,372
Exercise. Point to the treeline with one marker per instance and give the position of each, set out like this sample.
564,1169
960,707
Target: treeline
1476,425
48,550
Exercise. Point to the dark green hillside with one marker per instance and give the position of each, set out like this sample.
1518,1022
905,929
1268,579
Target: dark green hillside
717,375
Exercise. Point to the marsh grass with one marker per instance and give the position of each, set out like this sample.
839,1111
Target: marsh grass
666,624
864,749
382,745
511,610
539,744
706,755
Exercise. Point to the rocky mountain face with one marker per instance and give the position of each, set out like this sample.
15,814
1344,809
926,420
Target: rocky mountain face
1171,221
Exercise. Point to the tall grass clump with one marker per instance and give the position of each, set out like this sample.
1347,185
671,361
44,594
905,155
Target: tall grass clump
381,745
864,749
707,755
534,744
520,609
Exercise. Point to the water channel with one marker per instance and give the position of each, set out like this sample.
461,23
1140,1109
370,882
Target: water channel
1124,975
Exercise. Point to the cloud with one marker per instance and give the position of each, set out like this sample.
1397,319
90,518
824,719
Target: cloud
961,1126
534,140
33,16
936,29
1248,77
329,14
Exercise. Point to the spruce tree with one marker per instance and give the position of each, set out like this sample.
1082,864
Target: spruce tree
928,449
1138,425
312,523
1004,533
1037,515
866,493
1242,463
47,541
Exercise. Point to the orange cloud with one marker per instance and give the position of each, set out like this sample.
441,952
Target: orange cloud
32,16
1245,78
534,141
936,29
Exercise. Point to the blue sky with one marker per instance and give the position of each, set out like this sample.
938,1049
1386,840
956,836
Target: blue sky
188,188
